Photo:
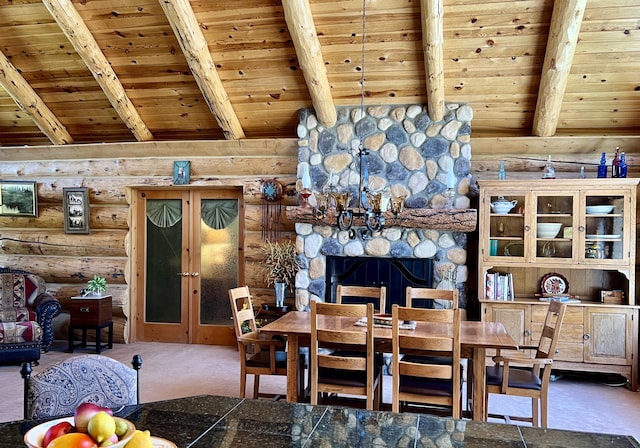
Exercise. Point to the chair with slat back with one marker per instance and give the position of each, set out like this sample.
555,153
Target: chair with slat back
426,370
363,294
444,298
525,377
440,299
351,368
259,354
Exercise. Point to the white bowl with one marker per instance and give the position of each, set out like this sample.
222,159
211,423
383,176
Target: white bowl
33,437
599,209
548,229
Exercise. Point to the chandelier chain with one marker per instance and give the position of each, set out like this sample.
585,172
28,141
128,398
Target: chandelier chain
364,38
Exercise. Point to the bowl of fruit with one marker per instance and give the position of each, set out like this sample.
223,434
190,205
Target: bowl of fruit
92,426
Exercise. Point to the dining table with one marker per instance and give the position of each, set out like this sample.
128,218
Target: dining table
210,421
475,338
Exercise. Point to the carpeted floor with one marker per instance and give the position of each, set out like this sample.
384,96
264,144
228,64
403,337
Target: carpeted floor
578,402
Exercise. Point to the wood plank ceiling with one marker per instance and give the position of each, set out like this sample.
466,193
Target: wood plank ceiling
87,71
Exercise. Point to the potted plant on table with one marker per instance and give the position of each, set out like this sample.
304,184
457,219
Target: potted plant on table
281,267
96,287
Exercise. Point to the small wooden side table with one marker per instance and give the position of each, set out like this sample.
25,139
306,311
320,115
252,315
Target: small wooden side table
91,313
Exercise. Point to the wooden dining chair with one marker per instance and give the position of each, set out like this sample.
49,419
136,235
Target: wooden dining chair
259,354
524,377
419,297
363,294
350,365
426,369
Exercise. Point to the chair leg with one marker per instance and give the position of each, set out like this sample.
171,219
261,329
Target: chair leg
243,384
535,412
256,385
485,409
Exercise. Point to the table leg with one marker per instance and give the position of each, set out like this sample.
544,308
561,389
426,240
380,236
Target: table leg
110,340
70,347
293,372
479,371
98,340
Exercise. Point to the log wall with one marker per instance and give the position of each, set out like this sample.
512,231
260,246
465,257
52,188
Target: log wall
67,261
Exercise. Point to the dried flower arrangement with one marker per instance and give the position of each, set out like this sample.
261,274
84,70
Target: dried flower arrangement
281,263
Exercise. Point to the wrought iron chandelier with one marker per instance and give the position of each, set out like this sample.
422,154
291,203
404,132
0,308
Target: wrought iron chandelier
371,205
373,213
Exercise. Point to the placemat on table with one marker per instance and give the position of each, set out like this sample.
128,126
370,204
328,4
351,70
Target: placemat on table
406,325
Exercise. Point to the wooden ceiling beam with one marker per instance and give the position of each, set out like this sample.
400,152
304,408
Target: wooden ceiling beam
432,48
28,100
72,25
196,50
558,58
297,14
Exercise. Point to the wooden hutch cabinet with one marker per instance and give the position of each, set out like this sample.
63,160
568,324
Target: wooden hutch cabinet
590,263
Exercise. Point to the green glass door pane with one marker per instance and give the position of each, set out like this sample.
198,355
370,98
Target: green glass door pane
164,247
218,266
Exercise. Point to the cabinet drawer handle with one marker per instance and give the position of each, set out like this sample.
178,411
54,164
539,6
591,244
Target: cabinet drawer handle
581,228
527,333
527,228
586,337
85,309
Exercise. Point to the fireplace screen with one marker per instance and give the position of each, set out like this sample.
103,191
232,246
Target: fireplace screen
394,273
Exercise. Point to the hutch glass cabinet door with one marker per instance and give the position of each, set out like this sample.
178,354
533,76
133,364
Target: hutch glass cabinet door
603,238
506,223
555,219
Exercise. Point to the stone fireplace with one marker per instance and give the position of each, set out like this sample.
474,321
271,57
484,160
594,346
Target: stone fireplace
409,155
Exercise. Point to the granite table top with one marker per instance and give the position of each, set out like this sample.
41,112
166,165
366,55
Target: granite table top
209,421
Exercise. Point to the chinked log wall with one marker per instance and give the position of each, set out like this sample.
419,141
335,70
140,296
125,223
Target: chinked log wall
67,261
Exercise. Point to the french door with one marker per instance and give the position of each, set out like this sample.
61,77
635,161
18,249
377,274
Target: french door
187,255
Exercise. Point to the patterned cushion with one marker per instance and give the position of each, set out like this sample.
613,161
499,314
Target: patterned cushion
98,379
16,332
17,292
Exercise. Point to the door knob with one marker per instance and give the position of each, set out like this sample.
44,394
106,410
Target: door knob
195,274
183,274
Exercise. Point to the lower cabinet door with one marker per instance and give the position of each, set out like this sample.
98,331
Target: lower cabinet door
608,335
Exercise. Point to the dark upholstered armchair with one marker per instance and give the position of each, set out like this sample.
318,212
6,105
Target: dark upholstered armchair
26,314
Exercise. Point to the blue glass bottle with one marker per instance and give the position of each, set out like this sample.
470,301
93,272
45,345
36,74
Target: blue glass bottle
502,174
602,168
622,166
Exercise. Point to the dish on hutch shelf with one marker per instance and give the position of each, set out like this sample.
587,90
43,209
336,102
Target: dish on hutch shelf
604,237
554,283
599,209
514,249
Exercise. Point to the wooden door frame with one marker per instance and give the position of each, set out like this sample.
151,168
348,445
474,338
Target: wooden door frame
134,194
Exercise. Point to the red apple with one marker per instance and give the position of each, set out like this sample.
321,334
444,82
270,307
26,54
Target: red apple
83,414
56,431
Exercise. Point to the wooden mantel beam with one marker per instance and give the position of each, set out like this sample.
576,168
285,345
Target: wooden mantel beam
72,25
297,14
432,47
196,50
30,102
561,46
449,219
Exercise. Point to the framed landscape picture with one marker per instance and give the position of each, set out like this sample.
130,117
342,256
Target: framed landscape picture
18,198
76,209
